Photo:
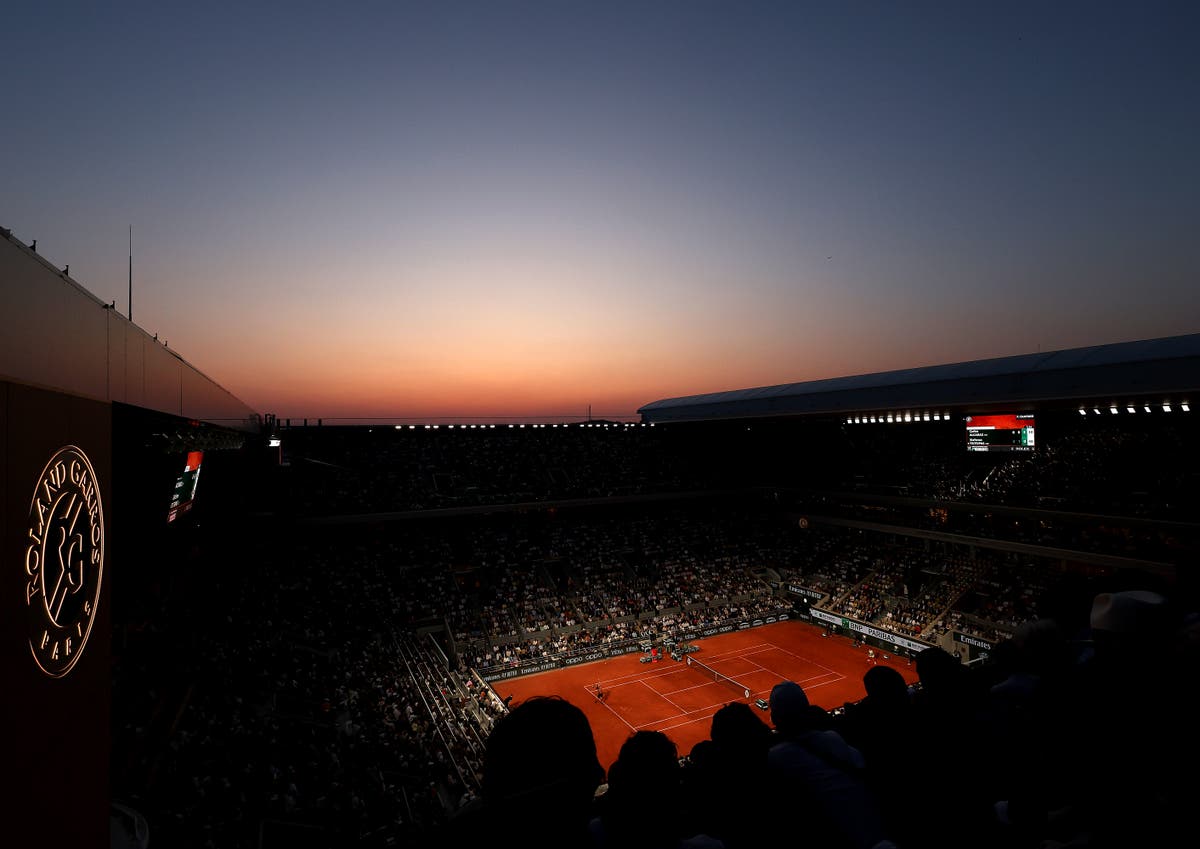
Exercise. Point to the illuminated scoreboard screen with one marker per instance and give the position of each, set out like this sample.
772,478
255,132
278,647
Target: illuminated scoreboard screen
185,486
1002,432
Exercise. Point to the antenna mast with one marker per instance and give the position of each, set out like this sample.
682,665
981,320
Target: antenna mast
131,272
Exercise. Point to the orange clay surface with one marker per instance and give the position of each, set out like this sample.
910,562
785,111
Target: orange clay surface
679,700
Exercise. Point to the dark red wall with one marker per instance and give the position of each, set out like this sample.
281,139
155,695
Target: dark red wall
55,731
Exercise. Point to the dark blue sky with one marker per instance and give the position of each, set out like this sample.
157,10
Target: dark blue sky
511,208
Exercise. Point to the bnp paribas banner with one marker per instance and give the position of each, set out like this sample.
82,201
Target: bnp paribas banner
869,631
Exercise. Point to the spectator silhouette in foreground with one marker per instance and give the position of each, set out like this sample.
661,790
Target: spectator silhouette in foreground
952,740
643,808
818,780
879,726
540,774
727,774
1131,737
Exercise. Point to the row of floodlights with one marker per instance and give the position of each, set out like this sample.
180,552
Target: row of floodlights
1113,409
919,416
618,425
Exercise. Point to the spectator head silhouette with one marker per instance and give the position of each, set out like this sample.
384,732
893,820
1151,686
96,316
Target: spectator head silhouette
939,671
540,767
789,707
736,728
885,685
648,764
647,769
1133,615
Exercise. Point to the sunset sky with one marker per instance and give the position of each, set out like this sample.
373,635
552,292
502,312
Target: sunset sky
523,209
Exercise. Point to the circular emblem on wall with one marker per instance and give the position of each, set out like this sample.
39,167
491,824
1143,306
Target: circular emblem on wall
64,560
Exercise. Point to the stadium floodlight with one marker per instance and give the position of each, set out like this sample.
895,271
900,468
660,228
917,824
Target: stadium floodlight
1184,406
908,417
927,416
1082,411
1096,410
274,442
1113,409
1166,408
1130,409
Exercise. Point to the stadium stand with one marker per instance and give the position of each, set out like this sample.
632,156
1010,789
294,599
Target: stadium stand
342,697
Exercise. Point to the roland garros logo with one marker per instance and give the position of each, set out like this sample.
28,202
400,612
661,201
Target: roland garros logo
64,560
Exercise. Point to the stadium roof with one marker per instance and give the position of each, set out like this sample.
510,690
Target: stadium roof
1154,370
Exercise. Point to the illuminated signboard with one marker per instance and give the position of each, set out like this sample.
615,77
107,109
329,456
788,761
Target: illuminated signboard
1003,432
184,493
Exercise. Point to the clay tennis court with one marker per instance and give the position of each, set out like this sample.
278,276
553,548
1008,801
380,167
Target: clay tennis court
680,700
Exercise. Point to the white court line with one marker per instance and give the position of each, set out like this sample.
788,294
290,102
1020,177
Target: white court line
759,648
633,677
809,683
664,698
700,710
807,660
604,702
685,689
667,728
806,683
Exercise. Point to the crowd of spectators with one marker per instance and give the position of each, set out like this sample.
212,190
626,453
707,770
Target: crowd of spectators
383,469
339,690
1134,467
1028,752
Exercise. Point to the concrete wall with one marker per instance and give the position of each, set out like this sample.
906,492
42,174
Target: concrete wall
56,335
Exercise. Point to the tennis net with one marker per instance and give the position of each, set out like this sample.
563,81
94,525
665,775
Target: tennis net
717,676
